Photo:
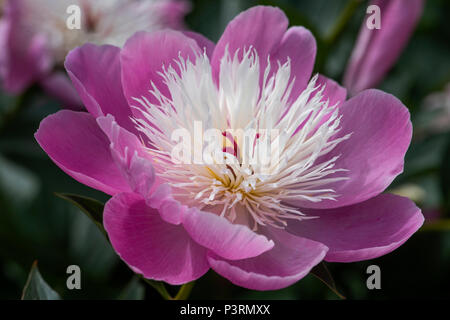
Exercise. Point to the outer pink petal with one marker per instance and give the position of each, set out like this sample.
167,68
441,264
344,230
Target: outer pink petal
95,73
59,86
260,27
290,260
143,58
136,166
76,144
335,93
362,231
374,154
169,209
202,42
298,44
150,246
230,241
125,142
377,50
130,155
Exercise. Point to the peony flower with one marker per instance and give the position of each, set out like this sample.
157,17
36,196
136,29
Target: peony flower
376,50
36,38
437,106
262,227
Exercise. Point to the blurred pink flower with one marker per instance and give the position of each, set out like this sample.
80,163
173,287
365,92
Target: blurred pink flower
377,50
262,230
2,4
35,38
437,108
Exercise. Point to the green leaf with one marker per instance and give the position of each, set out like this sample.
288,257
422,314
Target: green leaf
89,247
91,207
135,290
438,225
36,288
321,272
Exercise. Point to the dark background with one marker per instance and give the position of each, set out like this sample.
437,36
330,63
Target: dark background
36,225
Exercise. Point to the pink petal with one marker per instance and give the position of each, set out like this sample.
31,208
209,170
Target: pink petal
59,86
377,50
374,154
298,44
95,73
362,231
170,210
144,56
150,246
125,142
78,146
259,27
230,241
290,260
202,42
130,156
335,94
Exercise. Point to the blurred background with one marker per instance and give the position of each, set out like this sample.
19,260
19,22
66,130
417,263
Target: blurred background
37,225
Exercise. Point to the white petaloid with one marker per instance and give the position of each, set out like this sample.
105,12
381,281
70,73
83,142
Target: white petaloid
102,22
247,193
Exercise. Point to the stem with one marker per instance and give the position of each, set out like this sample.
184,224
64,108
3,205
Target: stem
342,22
159,286
182,294
184,291
325,44
439,225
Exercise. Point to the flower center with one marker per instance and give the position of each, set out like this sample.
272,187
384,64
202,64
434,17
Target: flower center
101,22
249,146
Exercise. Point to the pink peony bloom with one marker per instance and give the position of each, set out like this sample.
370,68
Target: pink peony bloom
262,228
376,50
35,38
437,104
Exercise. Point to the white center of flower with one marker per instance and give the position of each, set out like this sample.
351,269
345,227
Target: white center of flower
101,22
301,131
